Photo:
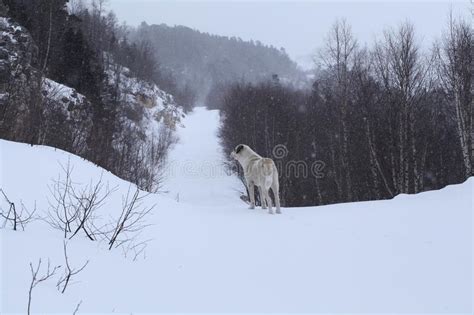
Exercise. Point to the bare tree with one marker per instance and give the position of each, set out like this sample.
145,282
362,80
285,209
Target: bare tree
48,45
76,6
14,216
131,221
404,75
455,67
69,272
97,34
339,54
89,200
36,279
63,208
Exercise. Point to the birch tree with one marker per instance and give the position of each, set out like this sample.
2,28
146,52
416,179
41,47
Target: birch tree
455,68
403,71
338,55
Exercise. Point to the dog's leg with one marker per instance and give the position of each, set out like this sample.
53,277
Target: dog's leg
276,194
262,198
269,201
252,195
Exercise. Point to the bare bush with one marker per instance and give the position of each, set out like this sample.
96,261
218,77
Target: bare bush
135,249
89,200
36,279
131,222
16,217
69,271
142,162
73,209
62,210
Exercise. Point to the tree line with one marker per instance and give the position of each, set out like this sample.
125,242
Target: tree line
381,121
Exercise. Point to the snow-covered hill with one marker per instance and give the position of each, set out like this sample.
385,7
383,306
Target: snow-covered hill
209,253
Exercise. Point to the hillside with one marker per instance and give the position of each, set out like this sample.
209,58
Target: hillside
107,113
209,253
200,60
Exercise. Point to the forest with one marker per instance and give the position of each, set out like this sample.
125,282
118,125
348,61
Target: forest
378,121
200,62
375,121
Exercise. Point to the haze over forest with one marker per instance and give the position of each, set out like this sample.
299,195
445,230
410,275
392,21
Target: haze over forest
276,22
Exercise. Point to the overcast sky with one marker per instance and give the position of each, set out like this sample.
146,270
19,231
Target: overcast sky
298,26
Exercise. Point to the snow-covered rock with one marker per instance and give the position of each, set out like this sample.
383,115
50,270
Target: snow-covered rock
157,106
17,54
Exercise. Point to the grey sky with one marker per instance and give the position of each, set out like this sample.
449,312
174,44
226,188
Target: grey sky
299,27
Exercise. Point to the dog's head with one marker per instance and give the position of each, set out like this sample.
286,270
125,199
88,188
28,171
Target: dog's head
238,151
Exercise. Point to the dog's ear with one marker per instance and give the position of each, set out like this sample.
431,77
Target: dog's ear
238,148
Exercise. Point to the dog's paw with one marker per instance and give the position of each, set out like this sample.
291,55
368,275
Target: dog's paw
252,207
278,212
270,212
264,207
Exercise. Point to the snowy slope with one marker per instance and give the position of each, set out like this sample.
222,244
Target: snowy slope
209,253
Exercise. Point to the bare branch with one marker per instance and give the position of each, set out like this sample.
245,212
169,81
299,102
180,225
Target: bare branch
36,279
130,221
77,308
69,272
17,217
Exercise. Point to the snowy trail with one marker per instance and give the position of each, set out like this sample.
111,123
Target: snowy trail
209,253
195,172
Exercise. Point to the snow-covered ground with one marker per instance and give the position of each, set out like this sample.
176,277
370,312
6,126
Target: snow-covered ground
196,174
209,253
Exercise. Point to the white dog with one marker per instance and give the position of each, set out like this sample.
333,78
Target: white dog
260,172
